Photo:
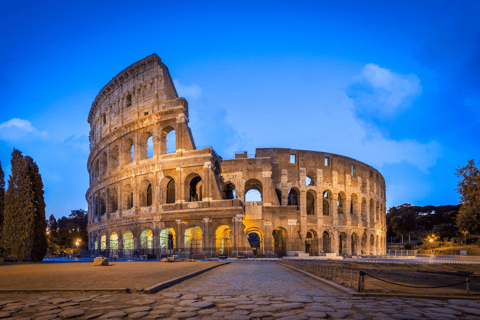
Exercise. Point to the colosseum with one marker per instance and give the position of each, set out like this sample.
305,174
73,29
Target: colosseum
153,192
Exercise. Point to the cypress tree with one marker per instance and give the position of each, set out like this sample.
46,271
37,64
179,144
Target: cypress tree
39,237
2,204
19,212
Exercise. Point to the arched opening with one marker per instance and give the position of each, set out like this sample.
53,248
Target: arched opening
279,195
146,239
169,140
103,206
253,190
222,240
354,204
364,209
129,151
377,212
216,168
363,188
150,147
372,212
114,157
294,198
229,191
311,246
309,181
310,202
145,193
127,197
326,204
193,240
168,239
97,170
114,241
327,248
280,241
372,244
103,163
128,102
194,187
354,245
342,245
103,242
364,244
96,243
340,203
149,195
170,191
128,240
255,240
113,200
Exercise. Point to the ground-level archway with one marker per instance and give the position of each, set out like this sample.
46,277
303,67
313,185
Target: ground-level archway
280,241
222,240
194,240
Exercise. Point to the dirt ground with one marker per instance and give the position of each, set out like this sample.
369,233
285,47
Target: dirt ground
410,274
83,275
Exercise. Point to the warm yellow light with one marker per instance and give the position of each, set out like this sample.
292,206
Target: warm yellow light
77,243
48,232
431,240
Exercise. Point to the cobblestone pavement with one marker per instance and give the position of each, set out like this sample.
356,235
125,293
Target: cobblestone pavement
244,290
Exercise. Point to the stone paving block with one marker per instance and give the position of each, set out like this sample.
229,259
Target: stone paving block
49,317
5,315
26,318
207,311
439,316
442,310
138,315
201,305
186,302
172,295
338,315
459,301
114,314
160,312
246,307
340,305
467,310
294,317
184,315
237,317
320,309
260,315
164,306
315,314
299,299
59,300
46,313
138,309
191,296
292,305
185,309
93,316
71,313
141,302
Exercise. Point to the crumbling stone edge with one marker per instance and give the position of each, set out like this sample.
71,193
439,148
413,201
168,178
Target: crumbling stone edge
160,286
63,290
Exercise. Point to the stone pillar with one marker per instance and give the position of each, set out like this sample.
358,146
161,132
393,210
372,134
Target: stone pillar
334,242
237,226
303,214
207,169
267,191
179,239
107,241
120,241
180,187
206,236
348,244
136,245
284,181
333,207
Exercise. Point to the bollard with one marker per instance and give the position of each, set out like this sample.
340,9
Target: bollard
361,281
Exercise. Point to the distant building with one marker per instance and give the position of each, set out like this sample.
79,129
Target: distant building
149,180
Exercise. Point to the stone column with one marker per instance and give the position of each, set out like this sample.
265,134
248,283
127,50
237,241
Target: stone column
333,207
207,168
348,244
335,242
303,214
179,239
267,191
237,225
206,236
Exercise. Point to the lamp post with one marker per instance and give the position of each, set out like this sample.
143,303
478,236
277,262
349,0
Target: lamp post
465,233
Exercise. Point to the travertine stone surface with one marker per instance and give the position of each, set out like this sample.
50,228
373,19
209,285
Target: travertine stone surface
310,201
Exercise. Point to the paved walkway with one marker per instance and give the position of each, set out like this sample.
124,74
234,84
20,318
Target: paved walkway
242,290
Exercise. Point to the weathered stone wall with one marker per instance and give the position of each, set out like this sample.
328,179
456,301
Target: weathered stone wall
305,194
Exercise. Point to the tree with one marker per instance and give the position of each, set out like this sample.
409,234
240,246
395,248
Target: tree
19,212
2,204
468,219
39,243
402,219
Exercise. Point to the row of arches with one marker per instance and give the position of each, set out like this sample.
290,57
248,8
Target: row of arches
123,152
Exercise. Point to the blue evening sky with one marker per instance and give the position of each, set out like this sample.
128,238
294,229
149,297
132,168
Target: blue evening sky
395,84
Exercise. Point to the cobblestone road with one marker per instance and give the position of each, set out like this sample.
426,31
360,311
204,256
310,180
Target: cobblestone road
244,290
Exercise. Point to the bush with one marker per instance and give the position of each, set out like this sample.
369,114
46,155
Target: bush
408,246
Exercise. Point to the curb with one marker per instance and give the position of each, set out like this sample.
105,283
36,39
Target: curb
331,284
159,286
62,290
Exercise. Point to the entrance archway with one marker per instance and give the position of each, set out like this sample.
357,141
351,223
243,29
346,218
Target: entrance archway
311,243
327,248
255,239
164,239
193,240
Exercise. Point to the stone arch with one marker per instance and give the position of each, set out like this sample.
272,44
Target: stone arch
114,156
372,244
354,204
146,193
97,170
103,204
377,212
354,244
341,202
310,178
103,242
222,240
193,187
311,200
364,209
311,246
280,241
255,239
164,237
194,240
169,140
146,239
327,196
167,189
143,145
342,243
228,191
113,241
103,163
372,211
113,199
294,198
128,151
327,242
127,197
128,241
253,184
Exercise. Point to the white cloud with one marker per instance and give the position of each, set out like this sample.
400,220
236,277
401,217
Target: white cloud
383,92
192,92
17,129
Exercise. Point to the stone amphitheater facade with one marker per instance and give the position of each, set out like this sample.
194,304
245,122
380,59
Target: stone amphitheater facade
148,180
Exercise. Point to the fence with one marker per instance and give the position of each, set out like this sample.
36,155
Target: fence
401,253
